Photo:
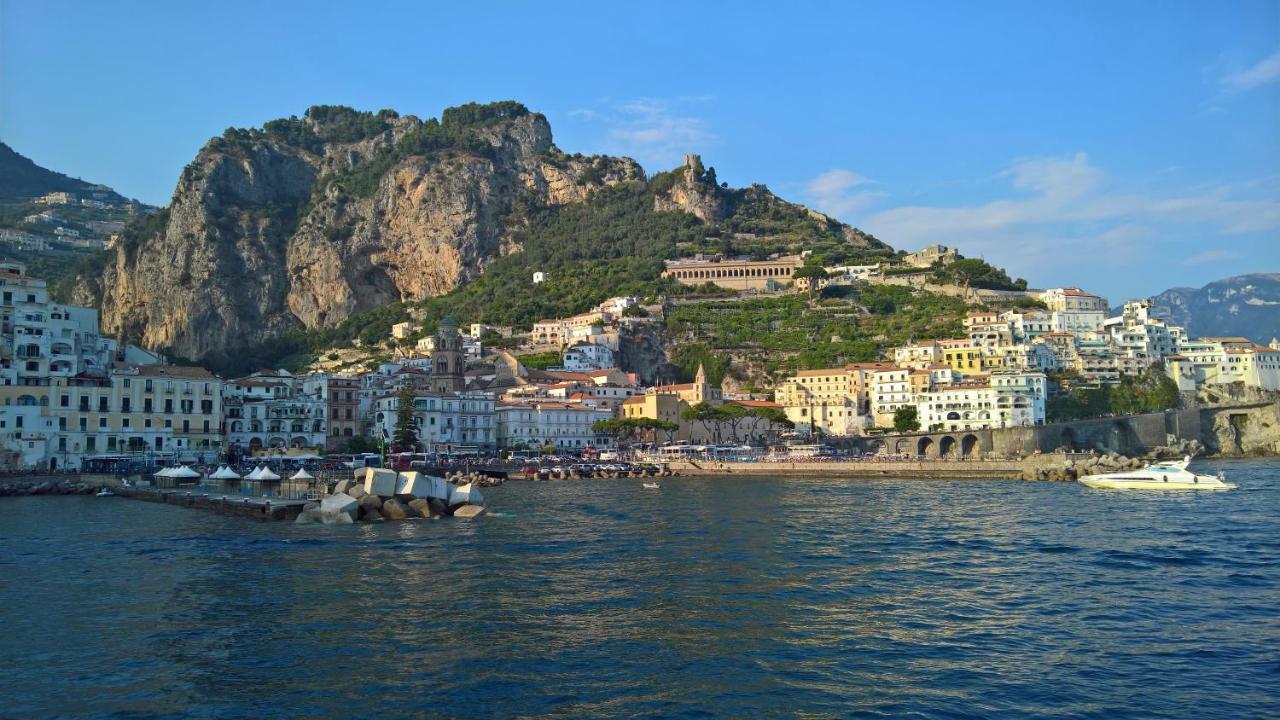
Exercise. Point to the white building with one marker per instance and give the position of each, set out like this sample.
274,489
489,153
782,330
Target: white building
1223,361
446,422
588,356
275,411
1074,310
890,389
1006,399
568,426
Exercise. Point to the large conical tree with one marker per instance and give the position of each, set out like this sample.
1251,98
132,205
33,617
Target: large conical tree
406,434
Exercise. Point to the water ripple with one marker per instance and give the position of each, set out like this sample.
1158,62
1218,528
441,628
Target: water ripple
714,598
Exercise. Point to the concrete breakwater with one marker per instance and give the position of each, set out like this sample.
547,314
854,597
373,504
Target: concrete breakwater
375,495
70,485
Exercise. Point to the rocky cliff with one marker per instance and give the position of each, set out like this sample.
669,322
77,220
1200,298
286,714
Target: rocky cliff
307,221
1236,431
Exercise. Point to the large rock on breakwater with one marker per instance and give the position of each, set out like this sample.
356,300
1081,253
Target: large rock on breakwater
1074,467
376,495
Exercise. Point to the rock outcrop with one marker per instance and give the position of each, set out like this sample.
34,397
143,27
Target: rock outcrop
306,222
694,191
1238,431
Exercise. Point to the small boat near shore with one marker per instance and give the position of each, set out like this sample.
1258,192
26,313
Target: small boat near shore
105,493
652,486
1169,475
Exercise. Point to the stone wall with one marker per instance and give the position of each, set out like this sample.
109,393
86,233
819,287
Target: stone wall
1125,434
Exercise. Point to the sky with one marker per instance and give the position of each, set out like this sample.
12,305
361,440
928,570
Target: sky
1123,147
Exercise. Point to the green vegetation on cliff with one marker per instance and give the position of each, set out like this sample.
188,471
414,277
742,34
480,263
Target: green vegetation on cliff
1150,392
788,333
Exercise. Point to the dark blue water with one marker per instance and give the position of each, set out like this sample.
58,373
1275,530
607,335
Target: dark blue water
710,598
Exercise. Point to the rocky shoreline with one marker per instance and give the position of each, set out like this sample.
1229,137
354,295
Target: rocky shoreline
69,486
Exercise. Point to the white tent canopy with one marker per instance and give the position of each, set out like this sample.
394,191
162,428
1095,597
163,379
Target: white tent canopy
253,474
163,472
183,472
302,474
264,473
225,473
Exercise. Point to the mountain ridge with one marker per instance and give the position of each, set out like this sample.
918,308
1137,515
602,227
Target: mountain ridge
22,179
1241,305
305,222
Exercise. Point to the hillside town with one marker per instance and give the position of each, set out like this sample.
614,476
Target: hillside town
73,399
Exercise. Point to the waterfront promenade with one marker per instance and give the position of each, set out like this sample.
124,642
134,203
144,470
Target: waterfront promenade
956,469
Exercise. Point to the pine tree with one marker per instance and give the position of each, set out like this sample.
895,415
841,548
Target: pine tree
406,434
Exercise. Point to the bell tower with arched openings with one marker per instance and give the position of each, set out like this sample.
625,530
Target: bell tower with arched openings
447,363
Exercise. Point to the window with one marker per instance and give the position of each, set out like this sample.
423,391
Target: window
102,423
146,405
64,401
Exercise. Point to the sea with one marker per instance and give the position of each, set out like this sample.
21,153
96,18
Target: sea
708,598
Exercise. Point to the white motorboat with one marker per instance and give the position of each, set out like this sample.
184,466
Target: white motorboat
105,493
1168,475
652,486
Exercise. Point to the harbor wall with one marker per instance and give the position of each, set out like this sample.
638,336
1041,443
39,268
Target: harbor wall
1124,434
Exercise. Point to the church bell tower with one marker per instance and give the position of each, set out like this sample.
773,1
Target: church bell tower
447,363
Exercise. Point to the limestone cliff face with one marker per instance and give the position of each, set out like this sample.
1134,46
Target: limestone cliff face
1253,430
213,269
694,191
306,225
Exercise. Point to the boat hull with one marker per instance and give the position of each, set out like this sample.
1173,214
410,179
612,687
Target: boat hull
1205,482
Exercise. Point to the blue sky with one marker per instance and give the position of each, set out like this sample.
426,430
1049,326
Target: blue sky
1124,147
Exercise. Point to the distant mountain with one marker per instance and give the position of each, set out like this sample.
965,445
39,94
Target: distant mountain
21,180
1244,305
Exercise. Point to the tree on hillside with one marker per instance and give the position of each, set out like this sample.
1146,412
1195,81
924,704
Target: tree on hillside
405,438
906,419
815,274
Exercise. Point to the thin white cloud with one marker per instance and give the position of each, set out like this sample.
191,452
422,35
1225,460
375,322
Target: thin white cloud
1211,256
1065,212
658,132
1264,72
838,192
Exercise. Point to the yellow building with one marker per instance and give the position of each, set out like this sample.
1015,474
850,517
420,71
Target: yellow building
962,356
149,408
